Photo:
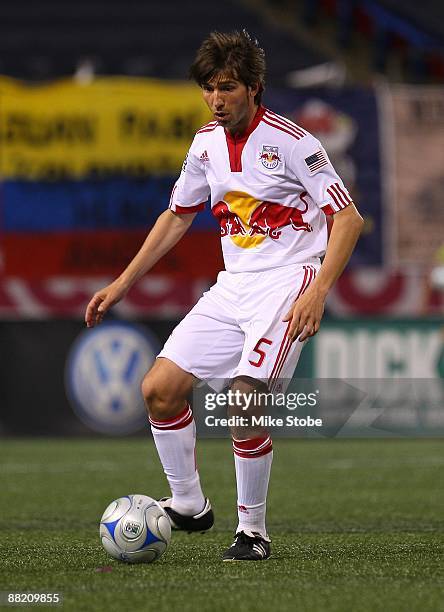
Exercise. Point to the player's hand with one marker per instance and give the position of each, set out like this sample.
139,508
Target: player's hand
102,301
306,314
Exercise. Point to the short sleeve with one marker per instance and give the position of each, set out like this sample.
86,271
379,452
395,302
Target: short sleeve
311,165
191,189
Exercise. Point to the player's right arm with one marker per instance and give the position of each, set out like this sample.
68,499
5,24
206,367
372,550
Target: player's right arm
188,197
166,233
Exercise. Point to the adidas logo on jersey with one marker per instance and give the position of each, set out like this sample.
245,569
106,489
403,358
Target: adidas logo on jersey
204,157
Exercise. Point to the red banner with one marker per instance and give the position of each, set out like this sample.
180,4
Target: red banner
368,291
153,296
376,291
32,256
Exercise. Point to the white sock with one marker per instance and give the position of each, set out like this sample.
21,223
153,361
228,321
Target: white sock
175,441
252,460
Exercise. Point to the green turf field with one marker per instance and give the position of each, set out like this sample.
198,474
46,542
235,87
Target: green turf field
356,525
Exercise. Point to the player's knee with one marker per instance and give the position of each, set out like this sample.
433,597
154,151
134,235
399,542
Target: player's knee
246,385
160,398
247,408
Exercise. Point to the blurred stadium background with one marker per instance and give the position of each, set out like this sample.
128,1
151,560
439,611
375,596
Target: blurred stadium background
96,115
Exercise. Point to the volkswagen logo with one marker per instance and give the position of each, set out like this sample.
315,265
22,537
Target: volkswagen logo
104,369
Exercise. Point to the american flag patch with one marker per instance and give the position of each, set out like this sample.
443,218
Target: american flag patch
316,161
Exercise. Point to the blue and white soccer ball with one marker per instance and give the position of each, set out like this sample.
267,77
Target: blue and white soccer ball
135,529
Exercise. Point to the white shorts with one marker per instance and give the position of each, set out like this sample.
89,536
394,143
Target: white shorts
236,328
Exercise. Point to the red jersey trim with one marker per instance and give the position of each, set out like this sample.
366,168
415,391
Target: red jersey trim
285,123
184,210
209,127
283,129
236,143
328,209
339,196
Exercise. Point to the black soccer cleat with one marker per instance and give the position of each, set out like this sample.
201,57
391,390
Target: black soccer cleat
248,548
199,522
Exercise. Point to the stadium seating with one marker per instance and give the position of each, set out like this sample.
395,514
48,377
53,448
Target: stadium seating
50,38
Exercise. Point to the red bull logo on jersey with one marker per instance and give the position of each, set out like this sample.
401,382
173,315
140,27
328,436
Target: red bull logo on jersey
269,157
249,221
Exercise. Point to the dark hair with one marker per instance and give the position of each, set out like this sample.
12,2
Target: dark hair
233,53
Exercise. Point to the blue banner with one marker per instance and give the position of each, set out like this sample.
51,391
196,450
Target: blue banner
116,203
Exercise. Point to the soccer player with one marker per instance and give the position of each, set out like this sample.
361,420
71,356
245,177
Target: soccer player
271,186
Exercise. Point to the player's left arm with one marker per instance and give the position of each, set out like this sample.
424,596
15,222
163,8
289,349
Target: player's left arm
306,313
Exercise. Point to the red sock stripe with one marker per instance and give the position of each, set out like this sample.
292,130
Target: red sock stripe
309,275
180,421
255,447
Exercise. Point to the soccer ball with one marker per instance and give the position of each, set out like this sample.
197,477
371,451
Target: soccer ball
135,529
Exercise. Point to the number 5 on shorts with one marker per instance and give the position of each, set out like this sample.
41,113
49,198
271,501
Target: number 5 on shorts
260,352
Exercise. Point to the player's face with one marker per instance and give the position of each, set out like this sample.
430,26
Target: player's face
231,102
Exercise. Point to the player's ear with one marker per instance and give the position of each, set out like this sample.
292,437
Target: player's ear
253,90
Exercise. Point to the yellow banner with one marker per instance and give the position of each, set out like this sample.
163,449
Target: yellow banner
111,126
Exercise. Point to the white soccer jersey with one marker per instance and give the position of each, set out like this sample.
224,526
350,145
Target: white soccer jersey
270,190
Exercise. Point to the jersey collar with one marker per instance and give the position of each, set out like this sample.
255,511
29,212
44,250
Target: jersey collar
253,125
